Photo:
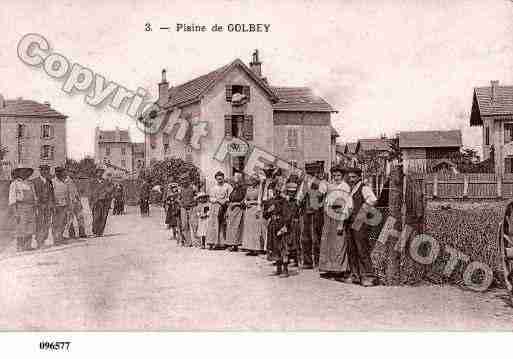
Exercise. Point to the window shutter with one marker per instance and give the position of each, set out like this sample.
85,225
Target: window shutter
52,150
42,131
228,93
227,125
42,152
248,127
51,131
246,92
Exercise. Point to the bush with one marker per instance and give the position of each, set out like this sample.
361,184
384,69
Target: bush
172,170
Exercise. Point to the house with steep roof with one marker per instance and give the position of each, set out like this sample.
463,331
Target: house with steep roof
235,100
34,134
492,109
426,151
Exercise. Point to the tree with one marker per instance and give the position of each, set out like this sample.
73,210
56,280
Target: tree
172,170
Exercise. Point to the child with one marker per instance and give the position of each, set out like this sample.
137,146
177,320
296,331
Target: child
202,212
173,219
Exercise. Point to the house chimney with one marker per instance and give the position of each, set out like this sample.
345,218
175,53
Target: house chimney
2,101
494,85
47,104
255,65
163,90
117,135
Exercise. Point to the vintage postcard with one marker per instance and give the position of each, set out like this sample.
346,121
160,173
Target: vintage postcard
256,166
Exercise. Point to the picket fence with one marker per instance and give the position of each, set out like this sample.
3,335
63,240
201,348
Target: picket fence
468,186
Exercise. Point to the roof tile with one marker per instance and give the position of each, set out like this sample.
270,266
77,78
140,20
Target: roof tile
29,108
430,139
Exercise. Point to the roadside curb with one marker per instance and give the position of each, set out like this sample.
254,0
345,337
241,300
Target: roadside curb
46,250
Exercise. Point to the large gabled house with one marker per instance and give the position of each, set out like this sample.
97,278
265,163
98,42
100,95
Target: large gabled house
492,109
237,101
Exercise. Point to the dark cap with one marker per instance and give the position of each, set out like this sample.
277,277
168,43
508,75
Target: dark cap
44,168
355,170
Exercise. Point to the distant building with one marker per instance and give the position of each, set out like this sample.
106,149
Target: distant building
492,109
427,151
33,133
237,101
115,150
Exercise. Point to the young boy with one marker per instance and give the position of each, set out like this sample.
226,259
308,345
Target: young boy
173,218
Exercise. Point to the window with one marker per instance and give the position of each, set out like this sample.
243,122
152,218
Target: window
487,135
508,165
292,138
123,163
123,150
166,148
107,151
47,152
46,131
235,126
240,89
508,132
293,164
22,129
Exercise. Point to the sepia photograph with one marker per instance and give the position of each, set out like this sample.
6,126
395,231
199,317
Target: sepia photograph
256,166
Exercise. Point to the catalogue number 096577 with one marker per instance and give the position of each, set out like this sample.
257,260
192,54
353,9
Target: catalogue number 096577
54,345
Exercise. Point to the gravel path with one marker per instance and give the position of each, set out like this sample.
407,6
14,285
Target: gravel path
137,279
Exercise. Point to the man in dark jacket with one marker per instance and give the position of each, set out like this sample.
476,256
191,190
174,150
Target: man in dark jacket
100,198
44,204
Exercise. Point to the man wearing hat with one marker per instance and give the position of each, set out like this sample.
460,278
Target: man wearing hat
187,199
62,204
311,196
265,194
22,203
362,270
45,201
100,198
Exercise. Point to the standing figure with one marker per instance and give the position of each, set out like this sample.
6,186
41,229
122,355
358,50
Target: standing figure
235,214
219,196
62,205
187,200
202,212
22,203
45,201
173,215
100,198
334,261
280,213
252,226
362,270
266,192
311,196
75,212
144,198
119,199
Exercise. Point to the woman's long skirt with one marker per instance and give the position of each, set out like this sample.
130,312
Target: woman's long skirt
252,229
214,235
334,248
234,226
26,219
186,225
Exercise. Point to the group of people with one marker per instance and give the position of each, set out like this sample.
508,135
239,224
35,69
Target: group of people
42,203
294,221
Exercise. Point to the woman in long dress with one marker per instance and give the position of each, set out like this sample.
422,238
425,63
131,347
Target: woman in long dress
334,260
201,212
235,214
22,202
252,226
219,196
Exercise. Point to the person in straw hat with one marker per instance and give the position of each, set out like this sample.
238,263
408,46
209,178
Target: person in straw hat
22,204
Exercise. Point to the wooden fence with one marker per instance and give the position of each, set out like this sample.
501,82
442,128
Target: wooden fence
468,186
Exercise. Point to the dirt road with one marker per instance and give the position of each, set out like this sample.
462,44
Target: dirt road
137,279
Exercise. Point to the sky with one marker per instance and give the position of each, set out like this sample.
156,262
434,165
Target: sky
386,66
